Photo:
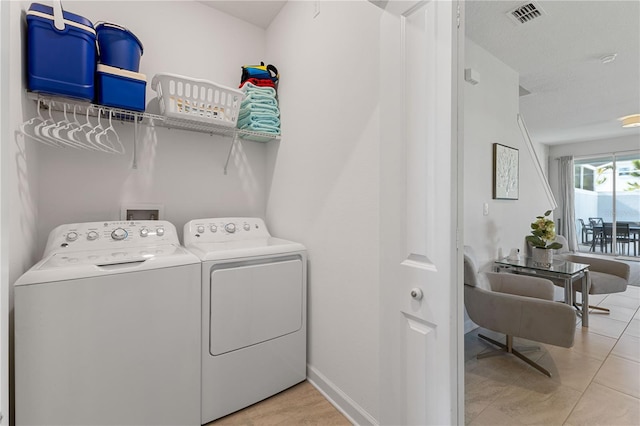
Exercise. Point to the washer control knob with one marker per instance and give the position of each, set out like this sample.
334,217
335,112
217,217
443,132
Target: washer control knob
247,227
72,236
214,228
160,232
92,236
230,228
200,229
144,232
119,234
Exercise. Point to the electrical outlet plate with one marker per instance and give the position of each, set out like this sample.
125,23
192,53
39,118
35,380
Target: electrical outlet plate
142,212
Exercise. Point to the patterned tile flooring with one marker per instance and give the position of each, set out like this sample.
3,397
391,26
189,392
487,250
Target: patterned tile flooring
596,382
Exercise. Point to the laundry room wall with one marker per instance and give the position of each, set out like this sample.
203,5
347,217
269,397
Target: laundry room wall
320,183
324,187
18,184
181,170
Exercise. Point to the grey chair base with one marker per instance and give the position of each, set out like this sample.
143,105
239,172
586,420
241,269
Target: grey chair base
607,310
509,349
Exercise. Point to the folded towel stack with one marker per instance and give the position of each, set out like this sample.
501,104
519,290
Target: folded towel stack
259,110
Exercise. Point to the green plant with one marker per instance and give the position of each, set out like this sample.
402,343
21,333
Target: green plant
542,231
631,186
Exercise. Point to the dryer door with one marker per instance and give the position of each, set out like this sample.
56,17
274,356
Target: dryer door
254,302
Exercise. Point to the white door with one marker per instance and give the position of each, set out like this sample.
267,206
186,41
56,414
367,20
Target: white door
421,283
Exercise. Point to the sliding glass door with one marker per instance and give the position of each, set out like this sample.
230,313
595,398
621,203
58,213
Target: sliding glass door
607,204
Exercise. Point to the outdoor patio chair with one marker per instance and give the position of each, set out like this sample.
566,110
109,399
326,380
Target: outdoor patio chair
587,230
598,236
624,237
597,221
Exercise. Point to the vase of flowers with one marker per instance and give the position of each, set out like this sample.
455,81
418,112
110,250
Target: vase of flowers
543,230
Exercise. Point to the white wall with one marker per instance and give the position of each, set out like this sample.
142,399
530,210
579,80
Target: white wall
43,187
19,181
590,148
179,169
320,183
490,111
324,188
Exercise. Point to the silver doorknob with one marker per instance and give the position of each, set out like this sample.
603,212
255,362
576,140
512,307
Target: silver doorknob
416,293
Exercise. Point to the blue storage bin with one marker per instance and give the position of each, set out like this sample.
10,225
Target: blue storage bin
60,61
121,88
118,47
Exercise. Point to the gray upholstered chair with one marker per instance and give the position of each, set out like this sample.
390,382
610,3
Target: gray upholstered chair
605,275
517,306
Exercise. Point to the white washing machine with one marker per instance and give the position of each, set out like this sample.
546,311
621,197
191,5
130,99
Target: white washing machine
107,328
254,312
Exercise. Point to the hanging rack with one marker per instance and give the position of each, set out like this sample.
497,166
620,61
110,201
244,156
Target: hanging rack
72,133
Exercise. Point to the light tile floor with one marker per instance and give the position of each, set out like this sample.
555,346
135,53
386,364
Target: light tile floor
301,404
596,382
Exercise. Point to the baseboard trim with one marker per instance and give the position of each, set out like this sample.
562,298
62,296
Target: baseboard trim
347,406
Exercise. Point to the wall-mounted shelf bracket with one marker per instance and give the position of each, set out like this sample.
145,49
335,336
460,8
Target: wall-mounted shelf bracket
233,143
85,108
135,145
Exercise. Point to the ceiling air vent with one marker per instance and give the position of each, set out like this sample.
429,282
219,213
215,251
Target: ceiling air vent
525,13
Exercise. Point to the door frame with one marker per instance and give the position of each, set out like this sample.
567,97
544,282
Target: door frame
4,217
391,389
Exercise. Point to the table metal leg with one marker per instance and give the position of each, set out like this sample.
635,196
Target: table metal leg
585,299
568,292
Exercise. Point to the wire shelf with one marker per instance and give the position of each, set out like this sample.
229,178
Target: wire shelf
57,103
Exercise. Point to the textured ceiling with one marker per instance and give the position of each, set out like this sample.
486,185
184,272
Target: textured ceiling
256,12
574,96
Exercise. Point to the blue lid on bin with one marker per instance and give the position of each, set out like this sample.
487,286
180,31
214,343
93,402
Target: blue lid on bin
118,46
103,26
47,12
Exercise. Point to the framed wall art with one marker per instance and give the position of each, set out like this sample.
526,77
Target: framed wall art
505,172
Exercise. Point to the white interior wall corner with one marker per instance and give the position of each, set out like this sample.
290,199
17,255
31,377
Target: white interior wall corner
19,171
324,182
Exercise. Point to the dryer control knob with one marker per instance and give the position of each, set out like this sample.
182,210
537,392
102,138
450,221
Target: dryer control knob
214,228
230,228
72,236
92,235
200,229
144,232
247,227
119,234
160,232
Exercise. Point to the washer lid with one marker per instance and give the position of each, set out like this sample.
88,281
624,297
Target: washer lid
71,265
243,248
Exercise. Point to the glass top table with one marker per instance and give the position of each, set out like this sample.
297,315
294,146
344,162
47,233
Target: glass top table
559,269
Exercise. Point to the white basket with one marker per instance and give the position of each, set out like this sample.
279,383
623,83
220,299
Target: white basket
191,99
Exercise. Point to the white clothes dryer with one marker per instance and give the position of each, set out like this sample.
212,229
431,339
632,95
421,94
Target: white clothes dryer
107,328
254,312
